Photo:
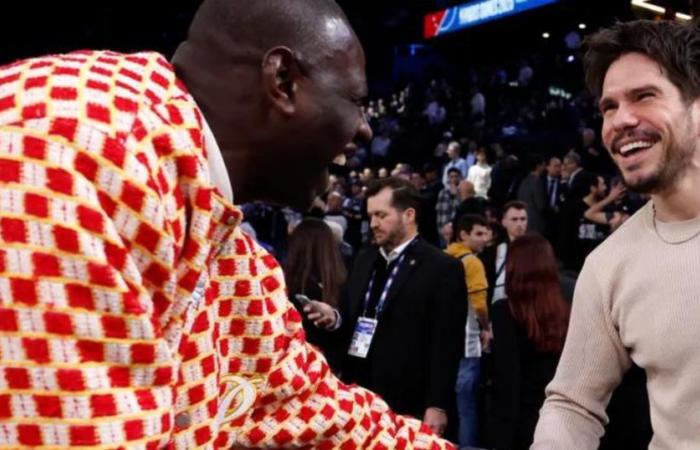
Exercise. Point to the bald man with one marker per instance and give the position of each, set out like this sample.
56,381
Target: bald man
134,311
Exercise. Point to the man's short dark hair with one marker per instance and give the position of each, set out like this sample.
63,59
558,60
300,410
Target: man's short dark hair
574,157
454,169
403,194
674,46
468,221
514,204
534,160
590,180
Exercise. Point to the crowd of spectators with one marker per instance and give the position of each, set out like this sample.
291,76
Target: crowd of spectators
498,137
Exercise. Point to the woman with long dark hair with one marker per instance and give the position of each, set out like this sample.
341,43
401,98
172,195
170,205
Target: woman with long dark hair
529,327
315,269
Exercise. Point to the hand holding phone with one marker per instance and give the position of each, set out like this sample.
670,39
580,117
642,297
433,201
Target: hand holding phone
302,299
321,314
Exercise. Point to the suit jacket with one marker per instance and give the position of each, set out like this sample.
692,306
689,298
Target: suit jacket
419,340
533,193
135,312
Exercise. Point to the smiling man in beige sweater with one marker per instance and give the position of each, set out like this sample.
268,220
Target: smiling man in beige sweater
638,296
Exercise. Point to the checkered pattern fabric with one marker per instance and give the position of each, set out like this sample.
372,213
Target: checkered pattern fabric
129,298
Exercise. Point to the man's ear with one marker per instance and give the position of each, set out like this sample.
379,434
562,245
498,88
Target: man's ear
463,235
280,78
410,214
695,115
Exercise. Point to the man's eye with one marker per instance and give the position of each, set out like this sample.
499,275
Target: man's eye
607,107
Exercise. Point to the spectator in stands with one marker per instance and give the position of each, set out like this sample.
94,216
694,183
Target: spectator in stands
334,210
455,161
314,268
448,200
571,169
380,146
514,221
590,234
435,112
469,203
577,183
353,210
532,193
553,183
367,175
554,188
473,235
480,174
610,211
411,296
529,328
417,180
433,184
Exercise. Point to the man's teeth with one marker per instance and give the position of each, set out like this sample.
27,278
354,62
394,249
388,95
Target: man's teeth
340,159
634,145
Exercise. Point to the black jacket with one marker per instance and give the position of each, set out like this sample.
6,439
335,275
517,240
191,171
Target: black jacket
415,353
521,374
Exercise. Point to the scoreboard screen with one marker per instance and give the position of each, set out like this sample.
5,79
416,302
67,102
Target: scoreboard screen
475,13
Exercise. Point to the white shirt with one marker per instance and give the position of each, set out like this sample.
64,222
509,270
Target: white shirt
480,177
396,252
499,290
478,104
217,167
573,175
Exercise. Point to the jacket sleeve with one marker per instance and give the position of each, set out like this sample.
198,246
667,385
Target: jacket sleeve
298,401
477,286
507,378
592,364
449,315
84,259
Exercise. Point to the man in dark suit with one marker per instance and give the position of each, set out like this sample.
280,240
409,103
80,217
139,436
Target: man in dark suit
408,299
577,186
555,193
532,193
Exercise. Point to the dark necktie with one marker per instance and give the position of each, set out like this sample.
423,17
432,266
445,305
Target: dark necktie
552,192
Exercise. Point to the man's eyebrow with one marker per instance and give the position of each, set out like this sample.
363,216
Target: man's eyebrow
606,101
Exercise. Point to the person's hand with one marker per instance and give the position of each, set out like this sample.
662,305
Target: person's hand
486,336
436,419
318,203
617,192
321,314
446,232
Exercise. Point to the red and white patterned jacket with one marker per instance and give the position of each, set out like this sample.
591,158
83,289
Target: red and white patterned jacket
134,313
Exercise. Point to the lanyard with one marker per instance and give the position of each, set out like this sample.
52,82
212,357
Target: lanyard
387,285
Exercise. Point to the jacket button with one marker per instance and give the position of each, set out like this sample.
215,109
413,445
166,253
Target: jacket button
183,420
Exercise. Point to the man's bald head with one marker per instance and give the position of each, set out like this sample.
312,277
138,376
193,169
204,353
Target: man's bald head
249,28
277,81
465,190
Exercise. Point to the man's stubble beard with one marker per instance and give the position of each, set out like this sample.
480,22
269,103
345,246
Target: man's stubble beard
674,162
395,237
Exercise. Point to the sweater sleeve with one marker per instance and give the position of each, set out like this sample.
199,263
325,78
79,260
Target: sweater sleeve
299,402
477,285
592,364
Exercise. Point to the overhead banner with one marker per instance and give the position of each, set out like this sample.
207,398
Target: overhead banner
475,13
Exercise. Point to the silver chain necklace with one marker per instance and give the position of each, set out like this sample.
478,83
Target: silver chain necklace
656,230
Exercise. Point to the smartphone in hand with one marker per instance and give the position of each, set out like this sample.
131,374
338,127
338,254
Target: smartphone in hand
302,300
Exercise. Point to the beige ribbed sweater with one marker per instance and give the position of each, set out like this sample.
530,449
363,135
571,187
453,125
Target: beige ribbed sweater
637,299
